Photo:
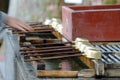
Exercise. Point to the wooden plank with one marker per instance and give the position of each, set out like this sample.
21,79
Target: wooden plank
53,73
87,61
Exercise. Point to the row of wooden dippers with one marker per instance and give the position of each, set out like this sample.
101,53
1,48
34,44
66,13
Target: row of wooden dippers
87,48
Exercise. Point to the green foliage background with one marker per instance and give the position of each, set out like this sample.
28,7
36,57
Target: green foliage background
110,1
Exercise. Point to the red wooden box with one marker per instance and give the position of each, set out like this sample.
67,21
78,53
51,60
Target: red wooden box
96,23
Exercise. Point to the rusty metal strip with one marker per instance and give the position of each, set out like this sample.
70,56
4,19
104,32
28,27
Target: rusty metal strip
34,31
45,48
48,44
51,50
48,54
53,57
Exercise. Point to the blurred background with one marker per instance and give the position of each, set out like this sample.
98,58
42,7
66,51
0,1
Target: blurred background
39,10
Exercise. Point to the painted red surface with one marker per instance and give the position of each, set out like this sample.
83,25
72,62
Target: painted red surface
96,23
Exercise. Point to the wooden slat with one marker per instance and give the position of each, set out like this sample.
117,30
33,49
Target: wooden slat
53,73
